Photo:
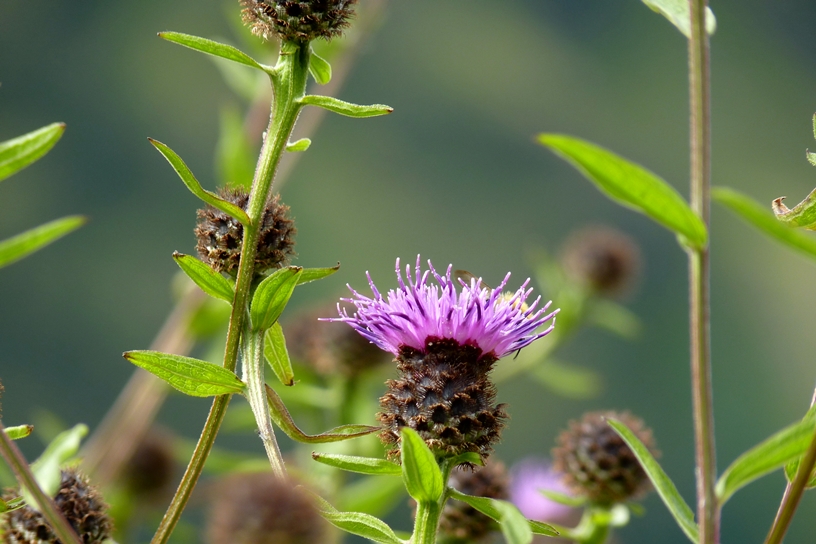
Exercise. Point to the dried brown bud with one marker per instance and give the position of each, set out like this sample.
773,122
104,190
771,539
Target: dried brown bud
597,463
444,393
461,522
297,21
78,501
602,259
149,472
220,236
261,509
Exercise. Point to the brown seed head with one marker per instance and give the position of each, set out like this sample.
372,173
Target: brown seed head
444,393
149,472
597,463
220,236
78,501
260,509
602,259
461,522
295,21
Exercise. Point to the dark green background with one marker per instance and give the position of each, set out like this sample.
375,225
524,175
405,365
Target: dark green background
452,174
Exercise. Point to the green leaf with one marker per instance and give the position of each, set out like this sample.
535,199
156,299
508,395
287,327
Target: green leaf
234,156
678,14
375,495
46,468
514,526
277,355
540,528
15,248
468,457
300,145
17,153
212,48
195,187
345,108
19,431
357,523
563,498
793,467
11,505
759,216
352,463
568,380
272,295
420,471
283,419
661,481
615,318
320,68
811,157
802,215
630,185
314,274
210,281
775,452
190,376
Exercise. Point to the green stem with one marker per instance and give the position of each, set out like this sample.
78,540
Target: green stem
289,85
11,453
253,363
426,523
793,494
699,90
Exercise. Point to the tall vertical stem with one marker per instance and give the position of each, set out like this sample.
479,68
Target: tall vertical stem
700,88
289,83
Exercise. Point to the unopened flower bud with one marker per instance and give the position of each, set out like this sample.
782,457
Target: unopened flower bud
597,463
295,21
602,259
463,523
220,236
77,500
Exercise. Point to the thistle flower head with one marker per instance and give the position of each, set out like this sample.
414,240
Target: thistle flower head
472,316
461,522
297,21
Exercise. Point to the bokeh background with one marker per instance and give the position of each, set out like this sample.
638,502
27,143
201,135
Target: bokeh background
453,174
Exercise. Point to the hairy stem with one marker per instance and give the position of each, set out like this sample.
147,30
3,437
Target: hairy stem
253,363
11,453
289,84
793,494
426,523
700,88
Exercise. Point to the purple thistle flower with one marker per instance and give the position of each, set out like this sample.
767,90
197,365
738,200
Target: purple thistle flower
445,342
476,316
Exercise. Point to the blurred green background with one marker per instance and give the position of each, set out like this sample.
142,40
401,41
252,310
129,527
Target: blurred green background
453,174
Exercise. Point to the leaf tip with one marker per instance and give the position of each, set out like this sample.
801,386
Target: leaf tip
778,207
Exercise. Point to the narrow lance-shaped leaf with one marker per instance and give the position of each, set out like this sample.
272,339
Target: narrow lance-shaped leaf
802,215
18,432
210,281
11,505
775,452
190,376
631,185
420,471
345,108
272,295
211,48
15,248
283,419
299,146
679,14
277,355
195,187
46,468
314,274
759,216
353,463
662,483
514,526
17,153
234,155
320,68
357,523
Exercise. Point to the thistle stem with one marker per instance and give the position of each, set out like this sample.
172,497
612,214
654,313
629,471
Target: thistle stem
11,453
426,523
793,494
289,85
699,89
253,372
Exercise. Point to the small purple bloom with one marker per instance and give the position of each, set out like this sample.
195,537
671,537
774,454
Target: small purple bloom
475,315
527,479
